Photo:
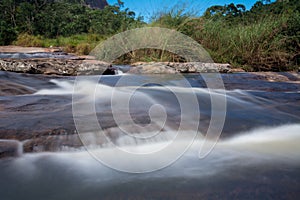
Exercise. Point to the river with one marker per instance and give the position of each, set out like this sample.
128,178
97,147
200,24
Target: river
256,157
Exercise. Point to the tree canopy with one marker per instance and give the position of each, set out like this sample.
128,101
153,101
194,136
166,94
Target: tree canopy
52,18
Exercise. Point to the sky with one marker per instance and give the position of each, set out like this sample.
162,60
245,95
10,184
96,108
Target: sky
148,8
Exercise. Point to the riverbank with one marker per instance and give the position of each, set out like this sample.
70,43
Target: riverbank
53,61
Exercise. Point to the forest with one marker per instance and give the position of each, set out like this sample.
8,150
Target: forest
263,38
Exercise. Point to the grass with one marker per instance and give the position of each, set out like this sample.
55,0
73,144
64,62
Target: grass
259,46
148,55
80,44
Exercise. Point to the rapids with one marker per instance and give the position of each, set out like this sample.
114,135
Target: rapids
256,157
266,158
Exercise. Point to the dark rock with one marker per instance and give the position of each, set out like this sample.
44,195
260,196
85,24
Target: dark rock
110,71
10,88
45,122
10,148
52,143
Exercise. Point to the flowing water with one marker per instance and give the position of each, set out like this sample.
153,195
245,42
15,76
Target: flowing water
59,55
256,157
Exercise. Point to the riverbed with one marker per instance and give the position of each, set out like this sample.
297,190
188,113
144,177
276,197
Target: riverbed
256,155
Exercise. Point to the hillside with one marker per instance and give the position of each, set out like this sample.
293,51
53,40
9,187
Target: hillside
97,3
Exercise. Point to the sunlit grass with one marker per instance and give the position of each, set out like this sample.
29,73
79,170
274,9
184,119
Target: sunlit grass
80,44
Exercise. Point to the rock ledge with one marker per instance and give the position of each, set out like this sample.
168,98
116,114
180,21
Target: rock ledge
173,68
48,66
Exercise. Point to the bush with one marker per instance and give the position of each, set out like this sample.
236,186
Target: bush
27,40
83,49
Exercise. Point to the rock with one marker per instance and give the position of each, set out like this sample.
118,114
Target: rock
46,123
54,66
90,67
197,67
279,77
10,88
236,70
85,57
52,143
110,71
152,68
10,148
18,49
172,68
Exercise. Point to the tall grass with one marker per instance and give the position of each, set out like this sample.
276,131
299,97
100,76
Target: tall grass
80,44
266,42
255,46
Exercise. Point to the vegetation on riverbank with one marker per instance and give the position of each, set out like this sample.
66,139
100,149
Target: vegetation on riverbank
67,23
266,37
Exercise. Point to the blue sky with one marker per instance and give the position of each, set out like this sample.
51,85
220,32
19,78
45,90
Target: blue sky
148,8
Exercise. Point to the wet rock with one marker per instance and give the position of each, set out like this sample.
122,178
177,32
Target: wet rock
22,83
8,88
10,148
52,143
110,71
45,122
279,77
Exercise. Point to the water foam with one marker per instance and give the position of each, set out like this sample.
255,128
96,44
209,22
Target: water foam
78,175
64,88
275,143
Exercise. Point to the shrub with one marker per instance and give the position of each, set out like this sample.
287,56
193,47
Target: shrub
27,40
83,49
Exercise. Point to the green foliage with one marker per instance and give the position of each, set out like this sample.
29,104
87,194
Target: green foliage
230,12
53,19
148,55
27,40
80,44
7,22
259,45
83,49
172,19
264,38
7,33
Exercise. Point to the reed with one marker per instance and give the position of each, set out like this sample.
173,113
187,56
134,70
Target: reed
254,46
